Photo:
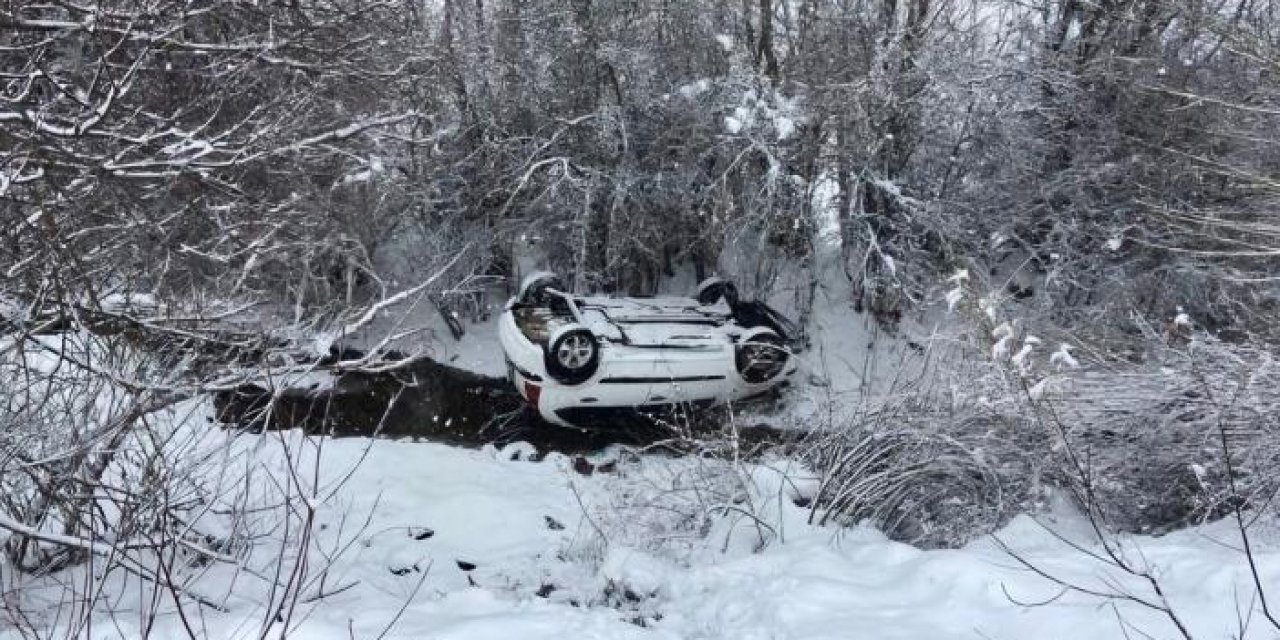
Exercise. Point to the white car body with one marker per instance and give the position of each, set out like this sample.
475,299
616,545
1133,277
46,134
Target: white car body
652,353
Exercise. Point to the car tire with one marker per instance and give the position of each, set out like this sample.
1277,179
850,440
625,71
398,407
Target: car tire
572,355
761,355
713,290
753,314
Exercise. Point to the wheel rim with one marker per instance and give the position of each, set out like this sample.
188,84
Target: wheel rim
575,351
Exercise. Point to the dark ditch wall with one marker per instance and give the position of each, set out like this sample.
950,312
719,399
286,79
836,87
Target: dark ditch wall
424,399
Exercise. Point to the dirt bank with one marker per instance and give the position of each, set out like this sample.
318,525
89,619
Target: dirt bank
431,401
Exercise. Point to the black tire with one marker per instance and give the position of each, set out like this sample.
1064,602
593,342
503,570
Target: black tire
712,290
750,315
573,355
761,356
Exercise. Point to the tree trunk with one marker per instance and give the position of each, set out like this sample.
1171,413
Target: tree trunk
765,47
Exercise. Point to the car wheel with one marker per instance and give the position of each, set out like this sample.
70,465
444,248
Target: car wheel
761,356
712,290
753,314
573,354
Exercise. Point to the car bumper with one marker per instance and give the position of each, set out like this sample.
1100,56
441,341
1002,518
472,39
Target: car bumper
616,404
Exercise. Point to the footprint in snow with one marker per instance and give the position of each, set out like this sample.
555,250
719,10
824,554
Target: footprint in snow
404,571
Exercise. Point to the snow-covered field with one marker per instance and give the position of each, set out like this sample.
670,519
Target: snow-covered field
418,540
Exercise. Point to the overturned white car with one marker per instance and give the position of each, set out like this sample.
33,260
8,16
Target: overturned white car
587,361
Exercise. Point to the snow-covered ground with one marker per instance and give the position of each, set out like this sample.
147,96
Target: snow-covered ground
417,540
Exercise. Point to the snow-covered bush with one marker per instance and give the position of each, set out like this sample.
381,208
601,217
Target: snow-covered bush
938,465
113,481
1002,415
1178,442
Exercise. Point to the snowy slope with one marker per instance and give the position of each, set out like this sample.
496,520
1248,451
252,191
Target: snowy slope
657,548
417,328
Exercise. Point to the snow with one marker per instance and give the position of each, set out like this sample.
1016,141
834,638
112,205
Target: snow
825,200
851,363
695,89
1019,359
418,327
953,297
1062,358
588,544
889,264
1182,319
785,125
639,570
784,114
192,148
127,302
369,171
741,119
1004,335
474,351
